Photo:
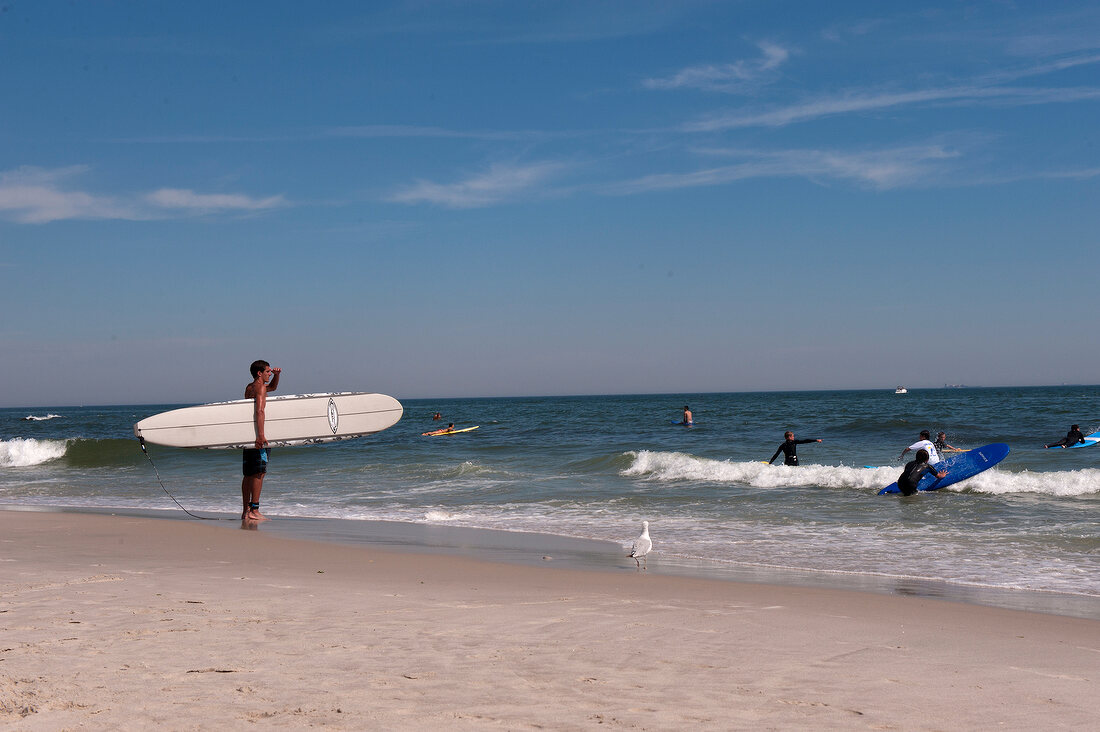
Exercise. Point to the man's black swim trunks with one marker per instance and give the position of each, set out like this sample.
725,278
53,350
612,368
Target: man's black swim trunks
255,461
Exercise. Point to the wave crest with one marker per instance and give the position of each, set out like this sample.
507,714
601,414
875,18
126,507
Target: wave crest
21,453
674,466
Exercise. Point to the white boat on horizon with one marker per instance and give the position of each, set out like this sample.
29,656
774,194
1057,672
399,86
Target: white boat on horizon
901,390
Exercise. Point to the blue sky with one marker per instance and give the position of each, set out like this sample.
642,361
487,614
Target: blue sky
518,198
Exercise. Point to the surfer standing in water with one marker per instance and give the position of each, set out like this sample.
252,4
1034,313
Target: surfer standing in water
790,457
942,446
925,443
264,379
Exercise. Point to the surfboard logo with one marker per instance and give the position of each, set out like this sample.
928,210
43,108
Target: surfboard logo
333,415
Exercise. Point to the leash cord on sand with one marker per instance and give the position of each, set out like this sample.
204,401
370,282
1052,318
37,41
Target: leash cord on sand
203,518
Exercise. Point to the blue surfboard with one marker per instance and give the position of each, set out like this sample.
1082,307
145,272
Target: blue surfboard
681,423
1090,440
958,467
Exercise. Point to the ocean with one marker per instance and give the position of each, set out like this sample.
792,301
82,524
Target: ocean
590,469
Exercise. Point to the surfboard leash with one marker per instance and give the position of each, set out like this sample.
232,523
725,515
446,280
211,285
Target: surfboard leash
182,508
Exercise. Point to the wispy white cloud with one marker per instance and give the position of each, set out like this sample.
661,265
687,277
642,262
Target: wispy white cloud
985,90
187,200
882,169
33,195
732,77
840,31
501,182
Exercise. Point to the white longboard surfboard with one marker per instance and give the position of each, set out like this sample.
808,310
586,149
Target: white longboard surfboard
293,419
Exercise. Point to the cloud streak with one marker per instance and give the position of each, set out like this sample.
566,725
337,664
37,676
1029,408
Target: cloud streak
33,195
739,76
881,169
501,182
985,90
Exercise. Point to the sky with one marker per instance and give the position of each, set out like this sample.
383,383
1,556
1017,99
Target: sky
459,198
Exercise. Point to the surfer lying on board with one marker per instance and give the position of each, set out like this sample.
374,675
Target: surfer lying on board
914,471
254,466
788,449
925,443
1073,437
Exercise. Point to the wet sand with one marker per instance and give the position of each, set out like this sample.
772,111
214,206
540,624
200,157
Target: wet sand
125,623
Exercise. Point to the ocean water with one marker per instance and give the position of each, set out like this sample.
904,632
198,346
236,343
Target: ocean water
594,467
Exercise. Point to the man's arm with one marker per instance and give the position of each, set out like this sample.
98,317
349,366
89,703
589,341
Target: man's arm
274,379
259,416
776,455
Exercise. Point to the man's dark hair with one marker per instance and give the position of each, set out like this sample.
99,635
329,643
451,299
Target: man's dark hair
925,434
257,367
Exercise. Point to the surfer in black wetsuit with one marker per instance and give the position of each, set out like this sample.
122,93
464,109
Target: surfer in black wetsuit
1073,437
914,471
788,449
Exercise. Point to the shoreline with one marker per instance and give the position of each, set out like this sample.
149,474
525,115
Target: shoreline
128,622
541,549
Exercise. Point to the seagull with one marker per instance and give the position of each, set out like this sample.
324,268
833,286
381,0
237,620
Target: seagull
642,545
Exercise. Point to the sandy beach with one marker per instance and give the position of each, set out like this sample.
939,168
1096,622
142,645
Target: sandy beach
128,623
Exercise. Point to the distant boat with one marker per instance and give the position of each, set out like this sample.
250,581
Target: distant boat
901,390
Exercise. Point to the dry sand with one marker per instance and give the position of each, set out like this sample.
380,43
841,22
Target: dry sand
131,623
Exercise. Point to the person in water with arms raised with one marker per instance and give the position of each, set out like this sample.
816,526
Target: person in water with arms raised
790,457
264,379
914,471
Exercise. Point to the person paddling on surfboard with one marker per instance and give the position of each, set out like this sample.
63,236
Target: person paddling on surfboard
1073,437
914,471
254,466
790,457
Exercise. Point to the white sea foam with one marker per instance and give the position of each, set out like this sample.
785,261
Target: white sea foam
672,466
439,516
33,418
20,453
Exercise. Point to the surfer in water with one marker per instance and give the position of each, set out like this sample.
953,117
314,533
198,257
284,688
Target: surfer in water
688,418
914,471
1073,437
925,443
790,457
264,379
941,444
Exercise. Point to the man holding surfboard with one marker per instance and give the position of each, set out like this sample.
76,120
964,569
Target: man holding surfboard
914,471
264,379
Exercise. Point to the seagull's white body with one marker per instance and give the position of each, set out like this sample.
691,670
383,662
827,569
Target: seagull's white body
642,545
